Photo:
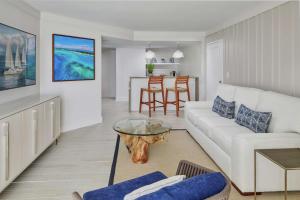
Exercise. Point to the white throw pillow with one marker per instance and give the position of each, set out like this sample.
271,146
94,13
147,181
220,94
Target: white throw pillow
154,187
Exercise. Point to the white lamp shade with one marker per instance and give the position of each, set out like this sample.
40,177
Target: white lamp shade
178,54
150,54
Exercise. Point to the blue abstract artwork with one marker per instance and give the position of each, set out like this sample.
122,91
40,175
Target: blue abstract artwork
17,58
73,58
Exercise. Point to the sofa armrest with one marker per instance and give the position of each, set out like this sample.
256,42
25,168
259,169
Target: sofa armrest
198,104
242,159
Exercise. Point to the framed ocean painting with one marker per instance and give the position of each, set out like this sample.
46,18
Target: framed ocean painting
17,58
73,58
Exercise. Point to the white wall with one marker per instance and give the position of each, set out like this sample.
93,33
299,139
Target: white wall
192,64
81,100
263,51
108,72
129,62
27,19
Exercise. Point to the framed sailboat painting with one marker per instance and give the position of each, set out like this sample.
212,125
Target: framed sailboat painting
17,58
73,58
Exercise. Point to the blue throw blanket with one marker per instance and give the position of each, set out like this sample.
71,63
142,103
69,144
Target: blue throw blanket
118,191
195,188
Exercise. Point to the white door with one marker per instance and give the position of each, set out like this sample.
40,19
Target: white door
214,59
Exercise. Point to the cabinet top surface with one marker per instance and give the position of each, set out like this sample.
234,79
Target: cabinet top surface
19,105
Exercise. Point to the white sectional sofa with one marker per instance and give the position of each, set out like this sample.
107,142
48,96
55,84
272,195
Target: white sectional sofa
232,146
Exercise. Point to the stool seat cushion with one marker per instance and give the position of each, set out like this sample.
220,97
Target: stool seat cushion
152,89
179,89
118,191
195,188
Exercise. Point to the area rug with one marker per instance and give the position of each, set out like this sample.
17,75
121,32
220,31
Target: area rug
165,156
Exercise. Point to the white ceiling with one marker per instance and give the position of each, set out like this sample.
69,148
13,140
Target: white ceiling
151,15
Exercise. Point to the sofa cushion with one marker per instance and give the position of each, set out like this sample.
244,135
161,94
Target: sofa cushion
285,111
224,108
194,114
254,120
206,123
197,187
247,96
118,191
223,135
226,92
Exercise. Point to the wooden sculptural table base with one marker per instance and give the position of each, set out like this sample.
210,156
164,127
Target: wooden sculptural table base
138,146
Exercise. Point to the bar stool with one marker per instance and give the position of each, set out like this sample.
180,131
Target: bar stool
155,85
181,85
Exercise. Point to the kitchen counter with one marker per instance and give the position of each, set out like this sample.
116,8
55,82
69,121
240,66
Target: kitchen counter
138,82
192,77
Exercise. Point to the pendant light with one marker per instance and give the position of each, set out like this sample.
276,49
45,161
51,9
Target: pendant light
178,54
149,54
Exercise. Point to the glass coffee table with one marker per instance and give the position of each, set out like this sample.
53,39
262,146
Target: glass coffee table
139,133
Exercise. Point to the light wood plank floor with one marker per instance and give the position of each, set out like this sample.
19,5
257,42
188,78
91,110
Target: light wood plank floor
81,161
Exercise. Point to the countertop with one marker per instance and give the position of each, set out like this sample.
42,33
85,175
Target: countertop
19,105
164,77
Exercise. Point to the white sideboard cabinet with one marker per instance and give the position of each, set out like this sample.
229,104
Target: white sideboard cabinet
28,126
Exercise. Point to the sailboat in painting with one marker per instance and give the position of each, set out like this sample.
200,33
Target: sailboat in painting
24,59
13,68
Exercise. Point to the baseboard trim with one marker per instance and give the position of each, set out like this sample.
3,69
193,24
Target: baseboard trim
244,193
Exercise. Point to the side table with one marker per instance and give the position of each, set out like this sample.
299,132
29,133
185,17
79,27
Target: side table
287,159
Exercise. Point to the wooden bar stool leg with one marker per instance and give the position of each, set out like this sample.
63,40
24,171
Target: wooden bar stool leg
163,98
166,102
188,93
177,102
149,103
141,100
154,99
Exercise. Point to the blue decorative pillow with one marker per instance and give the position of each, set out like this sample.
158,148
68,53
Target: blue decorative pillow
224,108
195,188
255,121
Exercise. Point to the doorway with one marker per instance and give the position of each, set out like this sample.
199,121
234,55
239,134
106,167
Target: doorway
214,71
108,73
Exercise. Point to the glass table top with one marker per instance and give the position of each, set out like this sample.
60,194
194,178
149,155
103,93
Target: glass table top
141,126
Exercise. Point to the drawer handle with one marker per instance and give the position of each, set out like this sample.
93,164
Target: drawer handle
35,130
52,109
5,128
